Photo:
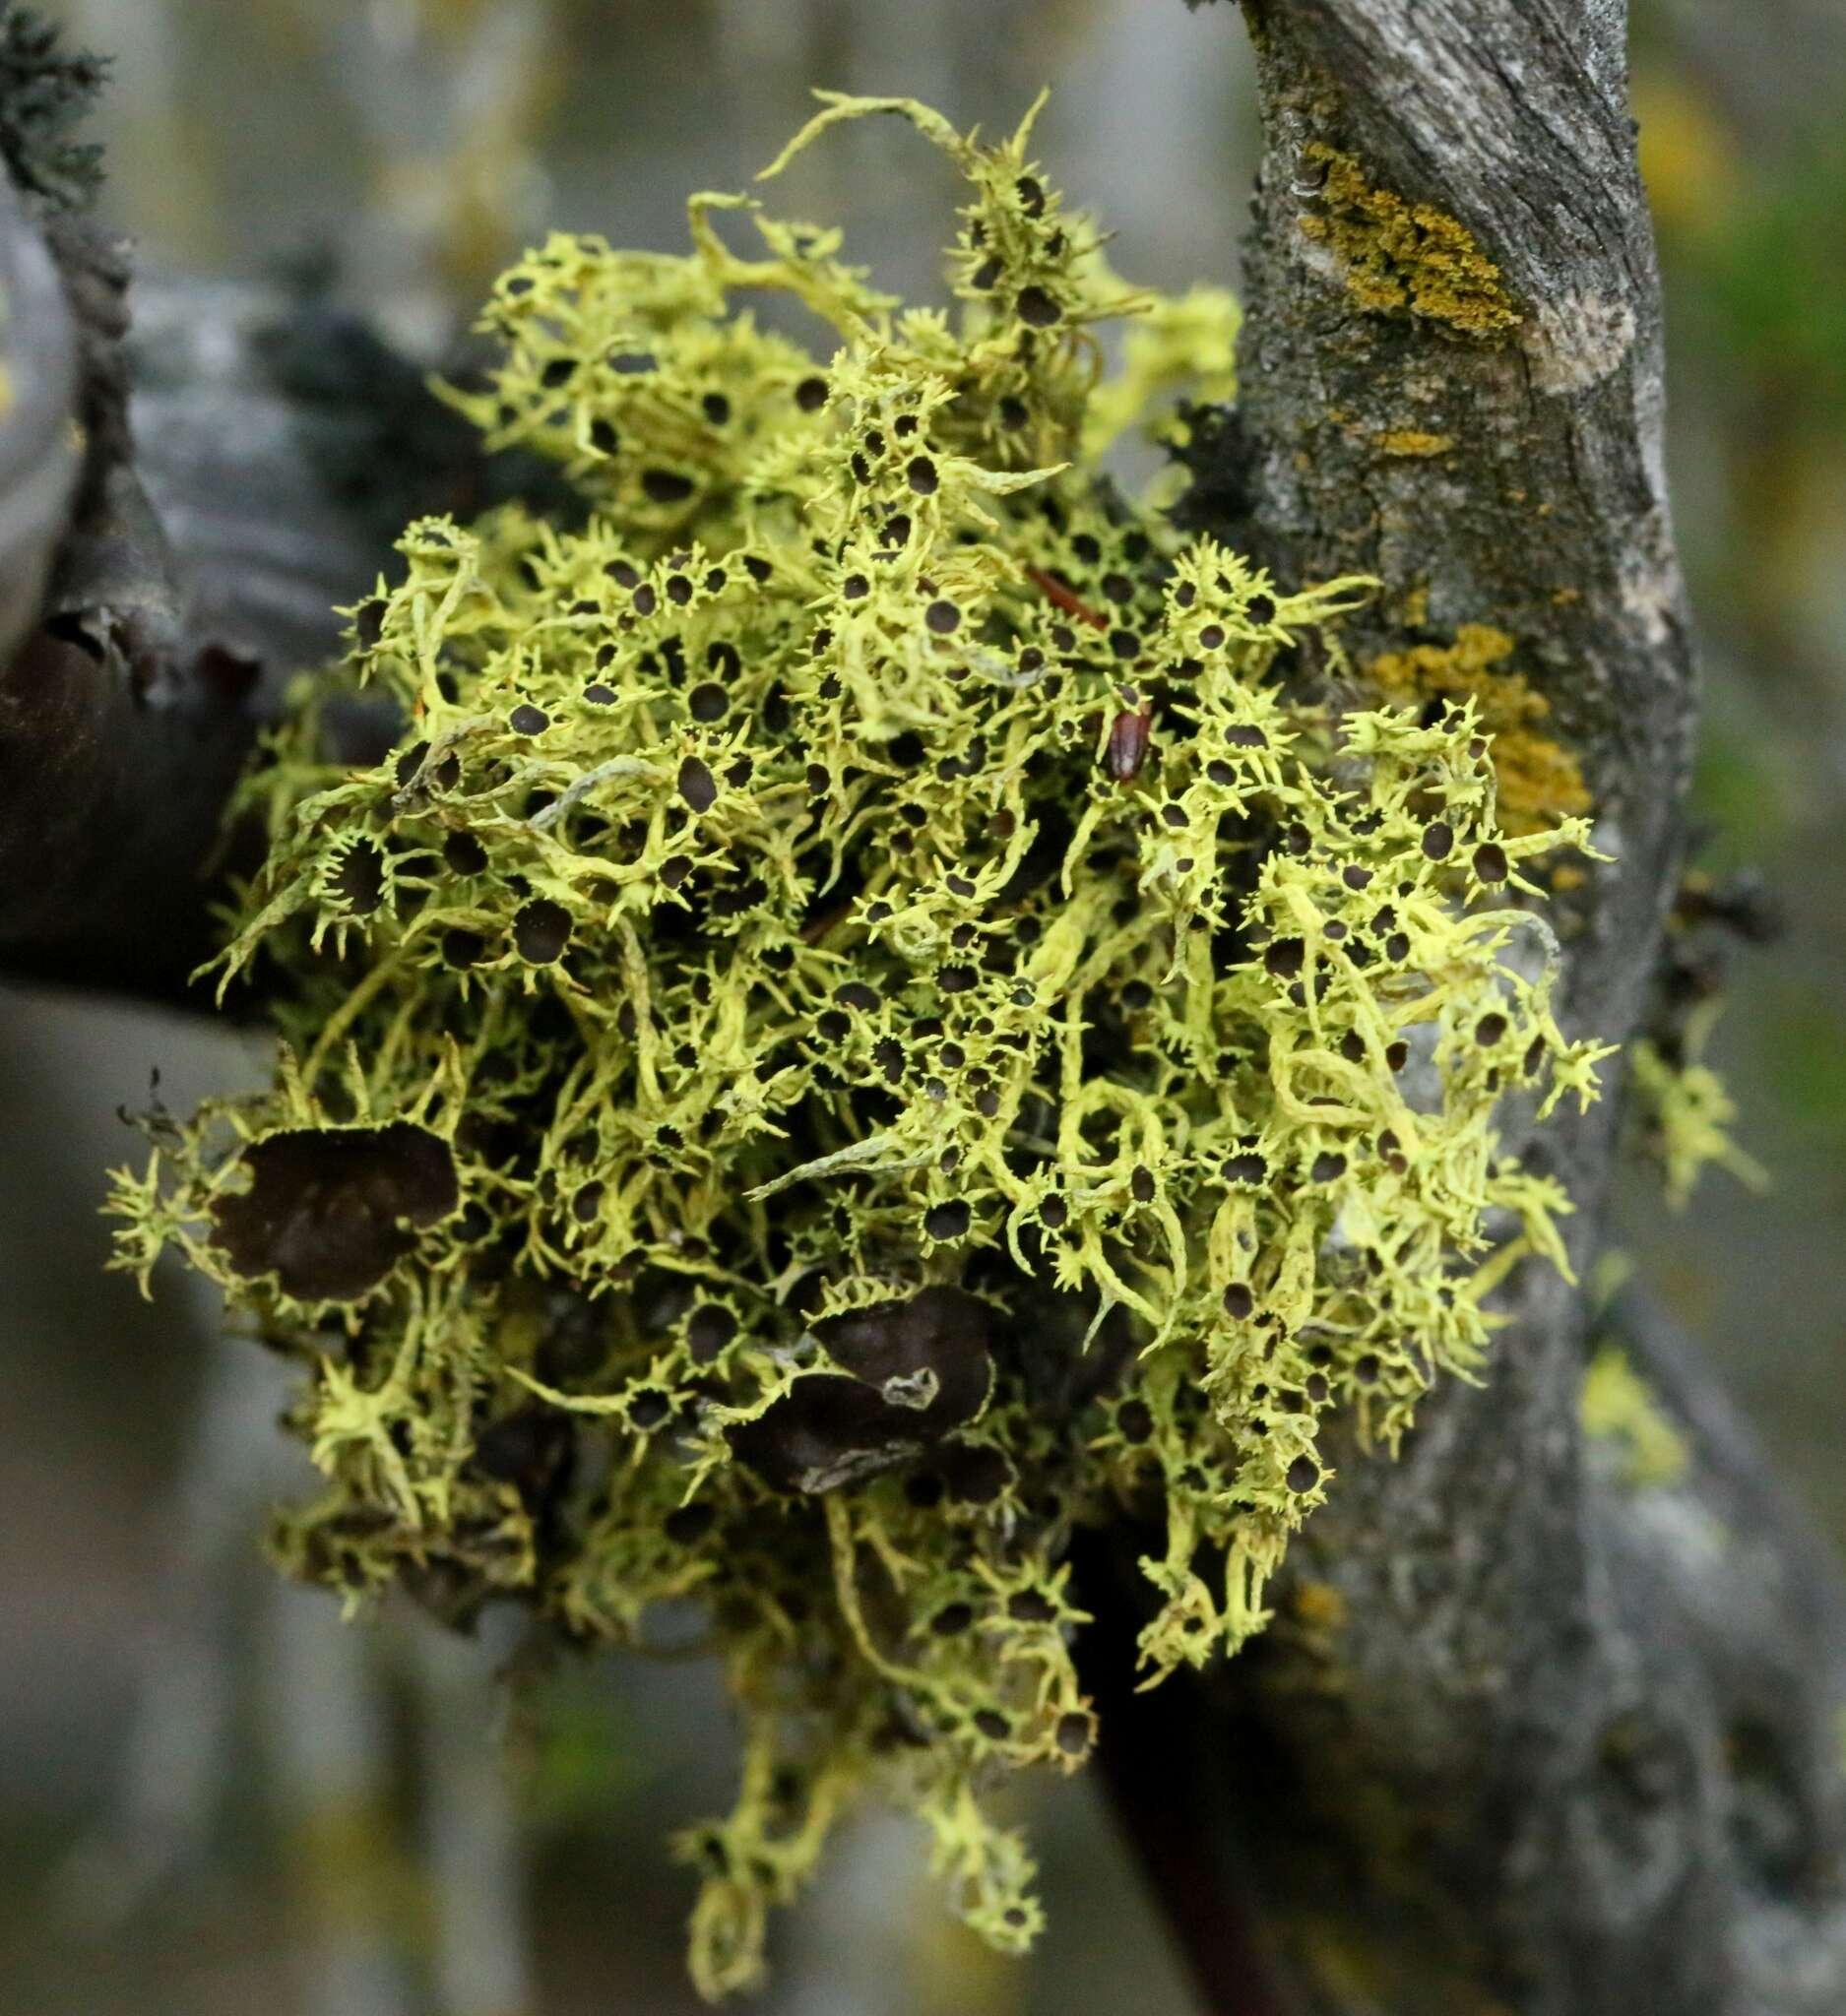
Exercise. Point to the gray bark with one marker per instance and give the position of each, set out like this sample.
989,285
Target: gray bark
129,677
1574,1748
38,464
249,454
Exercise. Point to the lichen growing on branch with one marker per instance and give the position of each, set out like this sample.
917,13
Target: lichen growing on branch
1402,257
1620,1410
1540,780
46,93
870,1019
1684,1112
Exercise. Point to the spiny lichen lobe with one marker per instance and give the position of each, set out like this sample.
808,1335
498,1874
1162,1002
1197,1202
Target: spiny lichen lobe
1540,780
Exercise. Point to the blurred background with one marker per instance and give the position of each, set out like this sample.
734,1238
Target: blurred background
210,1795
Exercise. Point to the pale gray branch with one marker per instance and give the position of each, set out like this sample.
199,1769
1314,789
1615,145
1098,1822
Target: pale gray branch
1560,1750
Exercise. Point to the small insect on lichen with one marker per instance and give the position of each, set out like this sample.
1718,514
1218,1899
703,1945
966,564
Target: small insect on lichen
865,1025
1127,744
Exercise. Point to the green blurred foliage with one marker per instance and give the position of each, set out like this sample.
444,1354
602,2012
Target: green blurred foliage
1771,272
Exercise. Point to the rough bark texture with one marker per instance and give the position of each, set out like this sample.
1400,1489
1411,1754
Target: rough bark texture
1521,1740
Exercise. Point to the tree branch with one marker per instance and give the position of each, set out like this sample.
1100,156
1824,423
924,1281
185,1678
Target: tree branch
1514,1741
120,728
253,479
37,467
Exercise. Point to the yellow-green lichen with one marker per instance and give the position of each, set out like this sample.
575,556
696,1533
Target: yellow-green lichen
1617,1408
864,1025
1684,1112
1400,258
1183,343
1540,781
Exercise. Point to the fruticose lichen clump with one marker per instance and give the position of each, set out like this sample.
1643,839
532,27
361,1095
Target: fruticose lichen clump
868,1021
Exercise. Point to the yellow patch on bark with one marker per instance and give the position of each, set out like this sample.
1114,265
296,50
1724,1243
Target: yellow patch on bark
1404,258
1414,441
1540,780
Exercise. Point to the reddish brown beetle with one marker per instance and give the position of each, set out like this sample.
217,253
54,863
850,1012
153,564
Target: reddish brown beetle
1126,748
